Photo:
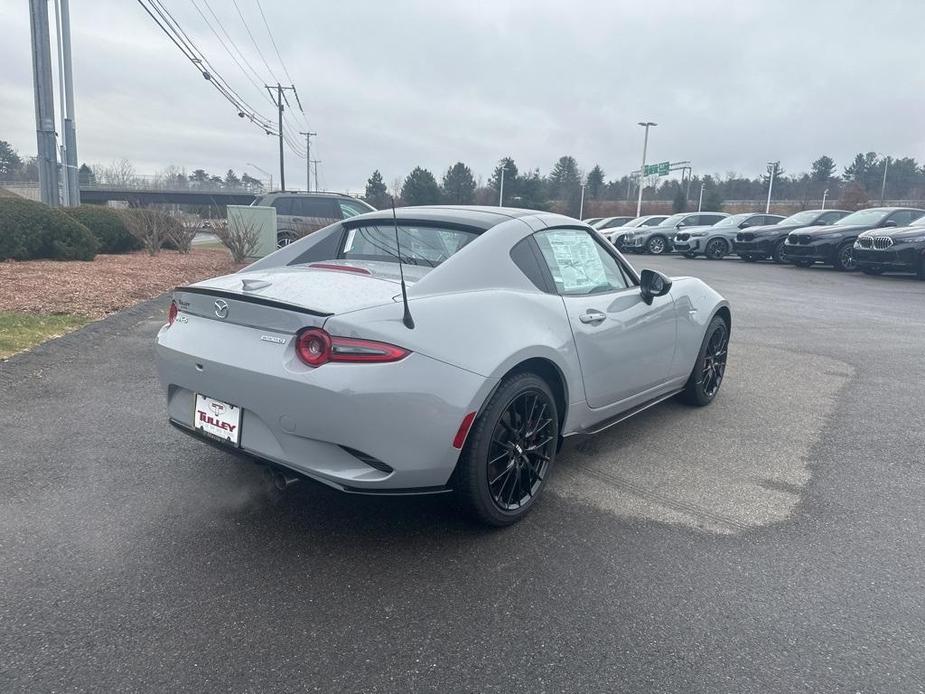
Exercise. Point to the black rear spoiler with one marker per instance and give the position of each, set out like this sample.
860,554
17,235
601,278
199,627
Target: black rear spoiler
251,299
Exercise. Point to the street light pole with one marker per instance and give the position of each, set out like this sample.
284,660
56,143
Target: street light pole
825,194
700,203
581,207
642,169
773,171
886,165
47,158
501,190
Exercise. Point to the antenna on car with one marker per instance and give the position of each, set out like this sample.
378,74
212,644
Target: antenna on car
406,319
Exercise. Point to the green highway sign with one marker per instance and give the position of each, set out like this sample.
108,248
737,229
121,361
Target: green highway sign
660,169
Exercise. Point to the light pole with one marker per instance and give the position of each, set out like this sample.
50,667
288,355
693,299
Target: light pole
581,207
772,170
264,172
825,194
501,188
642,169
700,202
886,165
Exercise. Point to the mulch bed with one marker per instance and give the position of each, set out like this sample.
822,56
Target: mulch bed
108,283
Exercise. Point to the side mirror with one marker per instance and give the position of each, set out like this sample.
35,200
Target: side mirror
890,223
653,284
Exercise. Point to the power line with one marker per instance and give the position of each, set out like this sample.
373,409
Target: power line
171,29
254,41
280,58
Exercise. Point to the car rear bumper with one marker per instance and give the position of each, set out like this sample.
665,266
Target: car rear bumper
358,427
898,260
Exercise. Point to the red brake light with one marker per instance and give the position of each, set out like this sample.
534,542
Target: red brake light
172,313
341,268
316,347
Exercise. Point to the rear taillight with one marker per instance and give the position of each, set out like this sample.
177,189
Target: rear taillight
316,347
172,313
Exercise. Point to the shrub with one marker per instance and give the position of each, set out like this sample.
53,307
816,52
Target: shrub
108,226
31,230
241,236
152,228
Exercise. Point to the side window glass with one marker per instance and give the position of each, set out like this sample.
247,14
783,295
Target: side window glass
830,217
350,209
902,218
283,205
578,264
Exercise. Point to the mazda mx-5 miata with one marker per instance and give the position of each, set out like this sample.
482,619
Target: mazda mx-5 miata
518,328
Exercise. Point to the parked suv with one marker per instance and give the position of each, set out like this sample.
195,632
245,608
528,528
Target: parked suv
298,214
892,250
657,240
763,242
834,244
715,242
650,220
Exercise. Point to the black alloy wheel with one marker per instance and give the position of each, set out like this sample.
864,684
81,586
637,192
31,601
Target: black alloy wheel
777,255
710,368
510,451
657,245
716,249
844,258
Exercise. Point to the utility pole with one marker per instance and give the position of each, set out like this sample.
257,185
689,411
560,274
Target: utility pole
642,169
772,171
308,162
886,166
47,159
69,131
278,95
315,163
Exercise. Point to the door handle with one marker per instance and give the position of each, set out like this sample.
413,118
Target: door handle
592,316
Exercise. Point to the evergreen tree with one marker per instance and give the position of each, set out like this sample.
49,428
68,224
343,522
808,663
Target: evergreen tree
511,176
823,169
85,176
231,179
594,185
376,193
712,197
420,188
459,185
10,163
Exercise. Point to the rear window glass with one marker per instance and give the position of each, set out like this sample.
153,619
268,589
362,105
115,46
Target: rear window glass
420,245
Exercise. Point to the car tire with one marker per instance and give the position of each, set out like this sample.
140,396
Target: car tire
658,245
717,249
510,451
777,255
284,238
710,367
689,255
844,258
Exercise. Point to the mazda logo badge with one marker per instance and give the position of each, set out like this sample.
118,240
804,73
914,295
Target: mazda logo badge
221,308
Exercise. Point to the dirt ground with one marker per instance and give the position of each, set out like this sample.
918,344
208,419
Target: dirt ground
108,283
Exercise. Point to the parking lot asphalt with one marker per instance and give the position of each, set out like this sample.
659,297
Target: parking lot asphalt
774,541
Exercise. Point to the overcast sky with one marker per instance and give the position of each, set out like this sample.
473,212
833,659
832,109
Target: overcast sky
392,85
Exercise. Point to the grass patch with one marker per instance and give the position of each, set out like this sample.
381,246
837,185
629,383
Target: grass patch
20,331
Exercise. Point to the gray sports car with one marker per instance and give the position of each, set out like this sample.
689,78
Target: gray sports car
444,349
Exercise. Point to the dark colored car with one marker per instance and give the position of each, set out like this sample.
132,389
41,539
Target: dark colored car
715,242
834,244
768,241
892,250
298,214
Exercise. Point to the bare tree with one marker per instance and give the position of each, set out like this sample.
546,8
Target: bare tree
184,230
240,236
151,227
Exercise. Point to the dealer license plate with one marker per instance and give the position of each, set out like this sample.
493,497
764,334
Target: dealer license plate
218,419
